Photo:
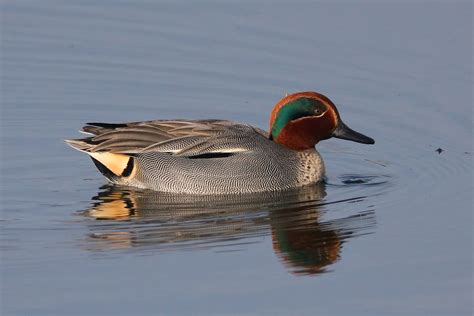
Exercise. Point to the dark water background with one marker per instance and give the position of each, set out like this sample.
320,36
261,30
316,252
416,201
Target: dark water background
390,233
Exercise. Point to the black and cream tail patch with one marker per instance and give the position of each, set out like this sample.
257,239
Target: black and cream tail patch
114,165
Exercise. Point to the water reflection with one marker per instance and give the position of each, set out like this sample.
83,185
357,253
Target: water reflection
303,238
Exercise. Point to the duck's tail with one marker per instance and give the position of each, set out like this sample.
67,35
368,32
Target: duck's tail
112,165
79,144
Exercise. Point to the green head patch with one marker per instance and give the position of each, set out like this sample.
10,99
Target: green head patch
301,107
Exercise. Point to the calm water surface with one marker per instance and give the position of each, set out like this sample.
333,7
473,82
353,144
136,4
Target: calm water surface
388,233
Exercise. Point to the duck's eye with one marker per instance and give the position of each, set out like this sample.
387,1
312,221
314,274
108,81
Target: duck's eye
318,112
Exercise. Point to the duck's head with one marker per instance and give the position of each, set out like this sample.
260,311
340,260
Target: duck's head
300,120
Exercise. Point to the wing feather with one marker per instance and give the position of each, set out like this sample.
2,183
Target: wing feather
177,137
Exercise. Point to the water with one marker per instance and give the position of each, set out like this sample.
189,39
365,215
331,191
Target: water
389,233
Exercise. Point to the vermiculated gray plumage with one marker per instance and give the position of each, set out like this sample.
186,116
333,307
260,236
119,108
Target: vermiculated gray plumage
202,156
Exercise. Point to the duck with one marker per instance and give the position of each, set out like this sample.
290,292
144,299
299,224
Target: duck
213,156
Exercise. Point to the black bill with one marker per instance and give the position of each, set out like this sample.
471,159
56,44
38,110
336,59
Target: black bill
342,131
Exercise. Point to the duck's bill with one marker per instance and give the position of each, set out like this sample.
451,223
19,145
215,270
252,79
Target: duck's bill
342,131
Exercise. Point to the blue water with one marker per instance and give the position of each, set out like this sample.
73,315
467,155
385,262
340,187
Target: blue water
389,233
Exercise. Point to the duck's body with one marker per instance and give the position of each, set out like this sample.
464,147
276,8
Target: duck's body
217,156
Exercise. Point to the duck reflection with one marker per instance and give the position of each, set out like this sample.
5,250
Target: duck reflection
127,218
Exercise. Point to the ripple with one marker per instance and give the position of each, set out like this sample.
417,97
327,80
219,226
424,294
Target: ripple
361,180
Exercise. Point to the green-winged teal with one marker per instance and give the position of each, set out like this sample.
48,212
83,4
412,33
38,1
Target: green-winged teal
219,156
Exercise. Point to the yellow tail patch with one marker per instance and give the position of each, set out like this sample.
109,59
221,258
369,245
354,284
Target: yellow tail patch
116,163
